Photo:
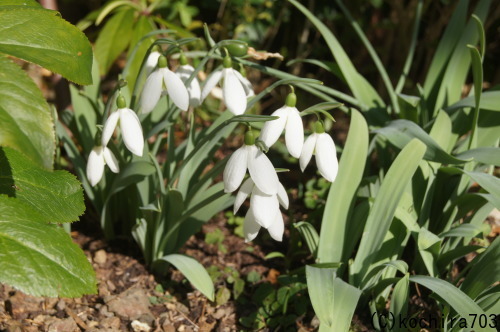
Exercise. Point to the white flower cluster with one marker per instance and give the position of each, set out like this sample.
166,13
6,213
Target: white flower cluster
265,190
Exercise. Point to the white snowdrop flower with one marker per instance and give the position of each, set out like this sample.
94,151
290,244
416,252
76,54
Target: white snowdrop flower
321,144
264,210
152,59
290,121
155,83
184,72
233,92
98,157
130,127
247,86
259,166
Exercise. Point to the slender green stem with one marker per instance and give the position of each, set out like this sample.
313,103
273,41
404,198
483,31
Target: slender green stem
411,52
374,55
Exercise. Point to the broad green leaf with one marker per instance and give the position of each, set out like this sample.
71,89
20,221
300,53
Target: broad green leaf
24,3
25,117
458,300
361,89
194,272
309,234
463,230
114,39
485,271
57,196
333,300
342,194
487,156
372,277
38,257
441,131
428,246
43,37
384,206
399,300
400,132
454,254
490,183
490,100
132,173
140,46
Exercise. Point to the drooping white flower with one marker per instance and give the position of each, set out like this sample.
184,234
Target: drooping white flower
130,127
264,210
184,72
233,91
98,157
259,166
290,121
247,86
320,144
152,59
155,83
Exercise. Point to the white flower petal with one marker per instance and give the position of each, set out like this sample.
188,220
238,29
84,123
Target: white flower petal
235,170
326,157
109,127
294,135
110,160
194,90
131,131
277,228
95,166
283,196
151,92
210,83
247,86
264,207
262,171
152,61
272,130
307,151
245,190
250,227
233,92
176,89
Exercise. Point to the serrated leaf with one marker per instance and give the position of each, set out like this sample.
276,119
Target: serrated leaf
24,3
24,115
41,36
40,258
114,39
194,272
57,196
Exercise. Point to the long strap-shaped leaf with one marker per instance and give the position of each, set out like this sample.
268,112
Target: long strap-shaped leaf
361,89
384,207
343,191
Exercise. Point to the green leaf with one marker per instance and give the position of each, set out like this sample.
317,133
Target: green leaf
43,37
24,3
57,196
489,183
477,74
361,89
489,101
309,234
194,272
114,39
384,206
139,47
333,300
40,258
487,156
134,172
25,116
480,32
399,300
342,192
457,299
321,108
400,132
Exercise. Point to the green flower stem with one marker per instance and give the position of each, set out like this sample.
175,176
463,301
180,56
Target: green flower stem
374,55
